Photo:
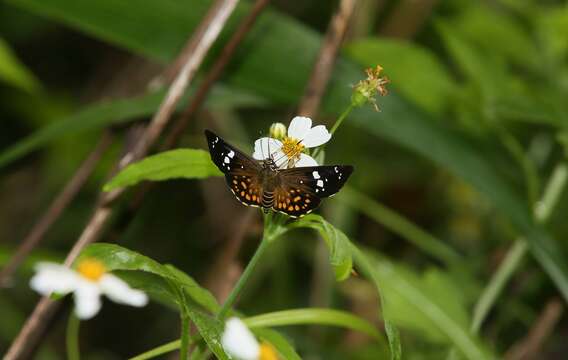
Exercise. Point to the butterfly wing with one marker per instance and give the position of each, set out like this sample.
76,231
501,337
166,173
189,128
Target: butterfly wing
301,189
241,171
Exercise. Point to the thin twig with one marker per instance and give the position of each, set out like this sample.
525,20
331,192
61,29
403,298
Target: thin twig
530,346
309,106
57,207
198,99
215,21
323,67
214,74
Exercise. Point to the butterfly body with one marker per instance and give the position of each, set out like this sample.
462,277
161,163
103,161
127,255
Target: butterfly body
260,183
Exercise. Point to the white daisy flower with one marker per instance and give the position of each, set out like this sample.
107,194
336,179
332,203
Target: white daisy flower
289,153
87,283
239,342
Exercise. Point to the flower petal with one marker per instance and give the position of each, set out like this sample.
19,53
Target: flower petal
87,299
318,135
299,127
306,160
51,277
119,291
238,341
264,147
281,159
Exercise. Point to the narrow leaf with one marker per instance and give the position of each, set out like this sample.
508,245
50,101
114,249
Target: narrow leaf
337,242
279,342
174,164
211,329
429,304
313,316
13,72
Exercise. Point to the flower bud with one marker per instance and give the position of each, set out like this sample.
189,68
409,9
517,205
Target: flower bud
277,131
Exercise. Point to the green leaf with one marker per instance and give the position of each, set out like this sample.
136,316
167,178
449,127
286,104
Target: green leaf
173,164
430,304
413,70
336,240
460,155
91,118
130,24
497,32
400,225
365,266
271,58
280,343
13,72
103,114
211,329
115,257
313,316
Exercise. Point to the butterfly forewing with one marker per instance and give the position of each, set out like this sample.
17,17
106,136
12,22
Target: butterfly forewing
323,181
241,171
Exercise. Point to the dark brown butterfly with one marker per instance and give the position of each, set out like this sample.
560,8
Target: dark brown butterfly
294,192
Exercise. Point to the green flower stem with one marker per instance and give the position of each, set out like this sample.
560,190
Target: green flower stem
341,118
160,350
184,346
314,316
282,318
266,237
72,337
338,122
517,253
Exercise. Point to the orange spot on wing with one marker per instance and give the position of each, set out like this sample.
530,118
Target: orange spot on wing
297,198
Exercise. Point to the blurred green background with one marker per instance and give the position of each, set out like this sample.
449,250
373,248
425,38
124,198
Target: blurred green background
447,177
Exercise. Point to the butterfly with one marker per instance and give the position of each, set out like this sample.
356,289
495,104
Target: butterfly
260,183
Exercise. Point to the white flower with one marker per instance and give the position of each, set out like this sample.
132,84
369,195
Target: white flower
87,283
239,342
289,152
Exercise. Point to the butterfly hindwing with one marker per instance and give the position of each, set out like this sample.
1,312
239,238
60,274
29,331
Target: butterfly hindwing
302,188
246,188
295,201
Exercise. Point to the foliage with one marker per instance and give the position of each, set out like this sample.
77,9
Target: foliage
457,179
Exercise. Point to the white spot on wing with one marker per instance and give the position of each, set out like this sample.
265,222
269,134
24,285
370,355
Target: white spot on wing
231,154
320,183
227,160
316,175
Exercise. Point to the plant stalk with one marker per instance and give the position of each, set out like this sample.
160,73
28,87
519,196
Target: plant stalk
542,211
268,228
72,337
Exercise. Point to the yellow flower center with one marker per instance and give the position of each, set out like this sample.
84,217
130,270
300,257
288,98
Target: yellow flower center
267,352
292,148
91,269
